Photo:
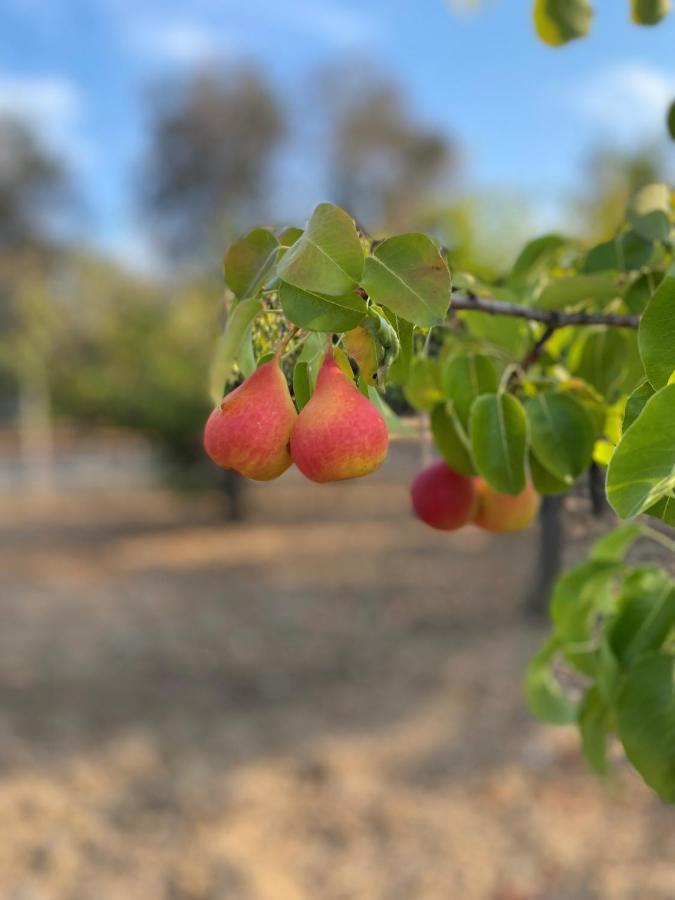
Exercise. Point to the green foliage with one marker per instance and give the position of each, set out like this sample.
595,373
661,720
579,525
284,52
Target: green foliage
230,344
600,359
451,438
649,212
561,434
249,261
560,21
317,312
498,428
646,720
530,378
657,333
607,663
642,468
408,274
466,377
579,291
649,12
327,258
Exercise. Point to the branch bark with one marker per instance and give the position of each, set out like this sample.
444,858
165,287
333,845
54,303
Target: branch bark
549,317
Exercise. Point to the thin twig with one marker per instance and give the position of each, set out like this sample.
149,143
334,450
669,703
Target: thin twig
550,317
537,349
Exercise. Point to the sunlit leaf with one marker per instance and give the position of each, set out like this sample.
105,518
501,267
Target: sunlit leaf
408,274
327,259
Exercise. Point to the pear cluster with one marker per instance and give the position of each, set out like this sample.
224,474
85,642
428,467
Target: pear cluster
447,500
257,431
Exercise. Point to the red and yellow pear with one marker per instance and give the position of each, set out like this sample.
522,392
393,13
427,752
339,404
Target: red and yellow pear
250,430
443,498
339,433
505,512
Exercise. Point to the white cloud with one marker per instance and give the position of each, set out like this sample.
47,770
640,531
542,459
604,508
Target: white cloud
181,43
627,102
53,106
330,22
41,97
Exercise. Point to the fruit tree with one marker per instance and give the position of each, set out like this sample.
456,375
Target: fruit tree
565,363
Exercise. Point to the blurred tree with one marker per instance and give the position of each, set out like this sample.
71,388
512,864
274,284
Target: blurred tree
33,189
385,165
212,140
33,185
612,178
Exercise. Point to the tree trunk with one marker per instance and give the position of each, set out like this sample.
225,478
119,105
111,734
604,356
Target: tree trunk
35,434
549,557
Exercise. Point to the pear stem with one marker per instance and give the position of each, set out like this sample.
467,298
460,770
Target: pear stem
285,341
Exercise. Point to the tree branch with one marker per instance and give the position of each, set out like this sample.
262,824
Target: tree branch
551,318
538,348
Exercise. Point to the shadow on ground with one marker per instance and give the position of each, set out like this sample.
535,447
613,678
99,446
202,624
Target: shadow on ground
321,702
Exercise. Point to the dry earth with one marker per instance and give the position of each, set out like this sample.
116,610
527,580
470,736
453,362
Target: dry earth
321,703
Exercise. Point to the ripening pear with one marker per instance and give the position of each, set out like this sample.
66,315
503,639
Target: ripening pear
250,430
505,512
339,433
443,498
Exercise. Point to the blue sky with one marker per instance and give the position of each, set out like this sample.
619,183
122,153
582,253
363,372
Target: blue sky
525,115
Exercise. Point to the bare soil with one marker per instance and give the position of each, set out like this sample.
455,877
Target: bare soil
322,702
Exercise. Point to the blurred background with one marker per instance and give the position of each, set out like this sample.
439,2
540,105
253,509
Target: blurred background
215,690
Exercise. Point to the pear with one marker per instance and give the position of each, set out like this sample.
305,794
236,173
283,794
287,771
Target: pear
443,498
250,430
505,512
339,433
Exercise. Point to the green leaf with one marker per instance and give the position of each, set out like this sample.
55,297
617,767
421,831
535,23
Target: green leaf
302,388
656,336
509,334
649,212
249,262
579,290
408,274
246,358
671,120
313,353
612,547
543,693
607,673
498,429
560,21
423,387
532,259
465,377
561,433
600,359
642,467
625,253
328,258
451,439
316,312
646,721
289,236
649,12
395,424
229,345
646,613
638,294
664,510
579,594
594,725
400,368
636,403
545,482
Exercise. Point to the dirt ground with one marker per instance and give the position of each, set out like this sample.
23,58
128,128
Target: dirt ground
321,703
